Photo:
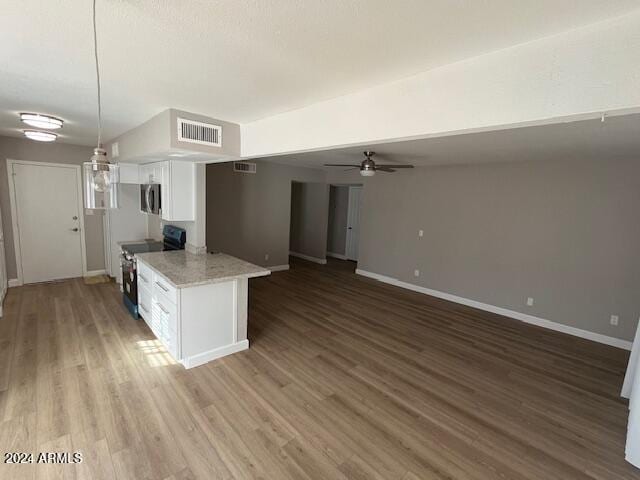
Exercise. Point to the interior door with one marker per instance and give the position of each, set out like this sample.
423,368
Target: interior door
48,218
353,222
3,268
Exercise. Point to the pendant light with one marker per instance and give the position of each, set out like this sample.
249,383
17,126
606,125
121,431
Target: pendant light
100,177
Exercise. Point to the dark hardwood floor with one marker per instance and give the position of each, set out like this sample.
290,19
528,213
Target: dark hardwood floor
346,378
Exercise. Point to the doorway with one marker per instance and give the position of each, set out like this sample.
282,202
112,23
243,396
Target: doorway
308,221
48,222
344,221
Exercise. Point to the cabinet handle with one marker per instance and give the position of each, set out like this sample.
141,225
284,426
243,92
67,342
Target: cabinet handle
162,308
162,286
143,308
142,277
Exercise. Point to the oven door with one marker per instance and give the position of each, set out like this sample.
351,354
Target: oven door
129,280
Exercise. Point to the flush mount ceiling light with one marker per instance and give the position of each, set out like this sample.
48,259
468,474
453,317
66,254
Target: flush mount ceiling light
40,136
100,176
41,121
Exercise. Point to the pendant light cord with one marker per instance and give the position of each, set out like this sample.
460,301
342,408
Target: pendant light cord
95,53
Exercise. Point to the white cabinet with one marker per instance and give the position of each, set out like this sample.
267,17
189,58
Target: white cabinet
157,305
177,180
129,173
151,173
165,320
196,324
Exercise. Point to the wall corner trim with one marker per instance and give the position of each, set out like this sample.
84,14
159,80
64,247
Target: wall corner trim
14,282
279,268
321,261
523,317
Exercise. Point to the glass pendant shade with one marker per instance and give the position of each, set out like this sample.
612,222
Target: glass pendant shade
100,185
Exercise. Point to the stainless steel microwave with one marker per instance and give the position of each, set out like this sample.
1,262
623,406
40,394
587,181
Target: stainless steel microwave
150,200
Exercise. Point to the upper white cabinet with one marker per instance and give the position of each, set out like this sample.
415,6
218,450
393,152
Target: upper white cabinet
129,173
177,187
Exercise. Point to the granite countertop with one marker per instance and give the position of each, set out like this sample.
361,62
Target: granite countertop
183,269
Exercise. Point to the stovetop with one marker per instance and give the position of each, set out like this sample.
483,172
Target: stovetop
143,247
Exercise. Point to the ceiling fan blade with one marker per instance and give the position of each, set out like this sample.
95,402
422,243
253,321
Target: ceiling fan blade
341,165
384,169
393,166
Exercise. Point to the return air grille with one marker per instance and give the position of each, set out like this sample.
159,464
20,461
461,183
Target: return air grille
201,133
244,167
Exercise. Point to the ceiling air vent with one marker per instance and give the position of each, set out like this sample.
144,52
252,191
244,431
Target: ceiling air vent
201,133
244,167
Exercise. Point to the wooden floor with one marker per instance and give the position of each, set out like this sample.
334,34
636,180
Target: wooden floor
346,378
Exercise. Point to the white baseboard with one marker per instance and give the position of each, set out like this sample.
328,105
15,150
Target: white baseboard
321,261
337,255
14,282
523,317
206,357
93,273
279,268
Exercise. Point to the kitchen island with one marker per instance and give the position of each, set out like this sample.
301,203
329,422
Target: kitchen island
196,304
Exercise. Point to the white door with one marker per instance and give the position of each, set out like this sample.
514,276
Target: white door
47,203
353,222
3,268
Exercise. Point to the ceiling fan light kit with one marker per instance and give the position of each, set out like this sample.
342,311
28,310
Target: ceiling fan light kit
368,167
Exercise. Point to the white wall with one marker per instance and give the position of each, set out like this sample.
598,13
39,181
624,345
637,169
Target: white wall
574,74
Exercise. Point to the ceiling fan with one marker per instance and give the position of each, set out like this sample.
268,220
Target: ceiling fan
368,167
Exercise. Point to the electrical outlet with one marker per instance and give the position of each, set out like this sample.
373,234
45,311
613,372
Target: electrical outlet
614,320
421,233
416,273
529,302
266,256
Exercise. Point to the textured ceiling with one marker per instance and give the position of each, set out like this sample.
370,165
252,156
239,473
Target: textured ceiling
244,60
617,137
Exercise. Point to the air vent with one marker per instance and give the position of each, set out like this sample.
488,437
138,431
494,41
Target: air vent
244,167
201,133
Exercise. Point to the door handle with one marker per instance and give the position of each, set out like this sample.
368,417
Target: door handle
147,192
164,310
74,229
74,217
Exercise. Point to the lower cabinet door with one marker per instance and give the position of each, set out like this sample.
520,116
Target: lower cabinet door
144,305
164,313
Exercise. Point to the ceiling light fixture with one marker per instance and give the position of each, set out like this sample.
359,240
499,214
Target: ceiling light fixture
40,136
41,121
101,177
